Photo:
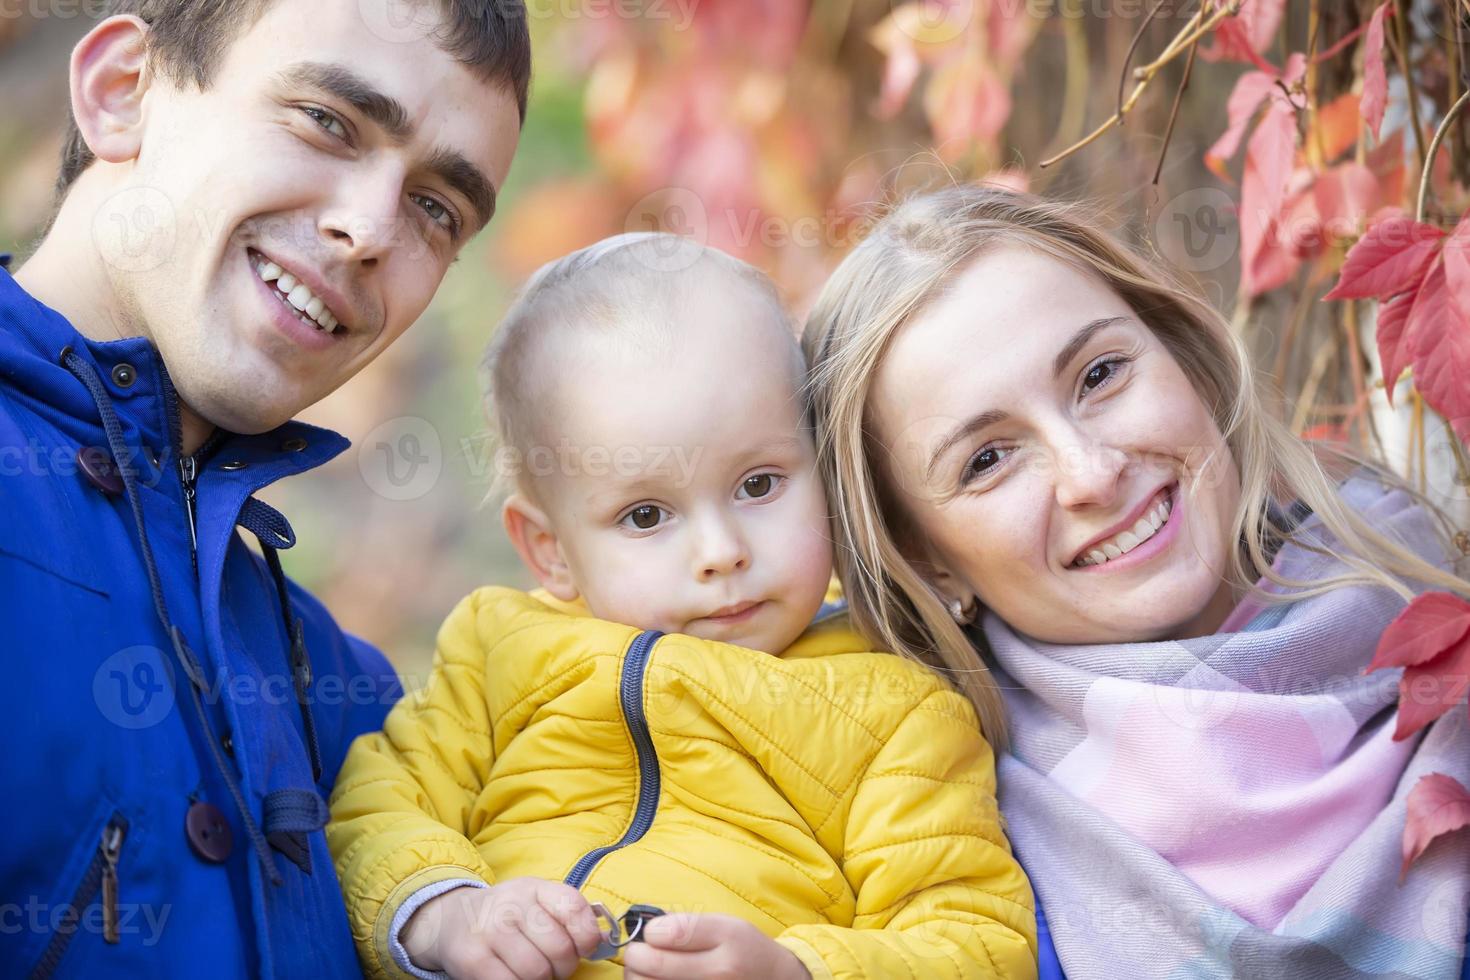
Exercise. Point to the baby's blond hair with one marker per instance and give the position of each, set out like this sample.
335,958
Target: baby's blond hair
633,288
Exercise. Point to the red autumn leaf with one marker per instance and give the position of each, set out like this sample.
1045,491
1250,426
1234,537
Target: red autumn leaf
1250,91
1427,627
1331,432
1247,34
1457,270
1386,160
1345,195
1335,128
1437,805
1430,639
899,75
965,103
1375,81
1426,693
1393,317
1439,341
1263,192
1390,258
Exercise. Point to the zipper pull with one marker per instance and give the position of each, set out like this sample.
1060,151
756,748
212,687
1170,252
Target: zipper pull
112,838
188,473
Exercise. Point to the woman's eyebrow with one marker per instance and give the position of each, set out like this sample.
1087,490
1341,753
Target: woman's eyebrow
1079,340
975,424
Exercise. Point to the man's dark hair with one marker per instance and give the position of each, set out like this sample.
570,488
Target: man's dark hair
187,39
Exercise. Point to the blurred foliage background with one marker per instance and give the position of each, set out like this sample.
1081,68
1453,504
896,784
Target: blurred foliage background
774,129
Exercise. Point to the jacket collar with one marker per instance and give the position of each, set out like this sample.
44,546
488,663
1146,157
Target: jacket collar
32,339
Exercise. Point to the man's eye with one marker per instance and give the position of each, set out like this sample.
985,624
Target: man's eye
759,485
643,518
437,212
327,120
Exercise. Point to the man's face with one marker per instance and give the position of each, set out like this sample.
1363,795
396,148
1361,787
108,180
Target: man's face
346,166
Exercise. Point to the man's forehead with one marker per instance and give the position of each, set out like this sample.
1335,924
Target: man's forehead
410,65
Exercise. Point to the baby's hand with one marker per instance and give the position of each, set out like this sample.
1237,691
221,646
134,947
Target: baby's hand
521,929
708,947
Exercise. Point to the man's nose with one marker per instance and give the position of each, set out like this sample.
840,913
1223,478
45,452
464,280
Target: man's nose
362,225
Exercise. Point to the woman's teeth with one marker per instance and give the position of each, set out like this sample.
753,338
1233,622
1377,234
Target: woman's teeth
295,292
1116,547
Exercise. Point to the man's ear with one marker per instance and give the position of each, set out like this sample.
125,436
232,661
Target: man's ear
535,541
109,75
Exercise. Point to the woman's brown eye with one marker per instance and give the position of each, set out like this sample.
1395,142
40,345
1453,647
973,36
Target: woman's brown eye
1098,375
984,460
759,486
645,517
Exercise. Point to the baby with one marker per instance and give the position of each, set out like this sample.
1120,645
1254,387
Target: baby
669,721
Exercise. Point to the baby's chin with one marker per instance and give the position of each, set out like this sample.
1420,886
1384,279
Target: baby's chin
774,642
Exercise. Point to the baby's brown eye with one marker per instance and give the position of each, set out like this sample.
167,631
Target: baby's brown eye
759,486
644,517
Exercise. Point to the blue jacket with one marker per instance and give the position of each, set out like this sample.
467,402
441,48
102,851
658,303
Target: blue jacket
176,711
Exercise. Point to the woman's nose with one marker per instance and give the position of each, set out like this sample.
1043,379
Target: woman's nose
1086,471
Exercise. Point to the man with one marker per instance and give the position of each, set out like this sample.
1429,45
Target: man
257,198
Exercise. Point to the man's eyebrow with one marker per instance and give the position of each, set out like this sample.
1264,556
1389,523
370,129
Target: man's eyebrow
391,116
467,179
1079,340
347,85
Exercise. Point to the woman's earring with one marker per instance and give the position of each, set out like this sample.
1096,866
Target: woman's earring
962,613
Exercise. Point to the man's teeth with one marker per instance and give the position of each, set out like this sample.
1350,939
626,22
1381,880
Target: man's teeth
1116,547
296,293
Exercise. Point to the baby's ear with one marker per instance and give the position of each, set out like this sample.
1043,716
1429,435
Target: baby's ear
535,541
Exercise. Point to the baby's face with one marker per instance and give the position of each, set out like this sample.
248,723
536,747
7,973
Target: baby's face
683,489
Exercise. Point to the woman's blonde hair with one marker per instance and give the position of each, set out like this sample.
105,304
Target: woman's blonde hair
910,258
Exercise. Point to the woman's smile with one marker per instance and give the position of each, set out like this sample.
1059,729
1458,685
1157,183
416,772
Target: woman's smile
1142,536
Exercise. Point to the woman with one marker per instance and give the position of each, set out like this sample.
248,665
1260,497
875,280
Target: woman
1046,455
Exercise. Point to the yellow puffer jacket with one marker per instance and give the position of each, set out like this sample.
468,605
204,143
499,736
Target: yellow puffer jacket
843,801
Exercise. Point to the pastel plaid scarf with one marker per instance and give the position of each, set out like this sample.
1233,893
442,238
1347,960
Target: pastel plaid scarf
1232,806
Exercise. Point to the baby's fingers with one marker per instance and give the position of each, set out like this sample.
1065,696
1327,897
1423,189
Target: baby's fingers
644,962
573,913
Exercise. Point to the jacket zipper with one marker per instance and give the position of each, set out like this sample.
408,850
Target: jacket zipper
630,691
188,474
100,874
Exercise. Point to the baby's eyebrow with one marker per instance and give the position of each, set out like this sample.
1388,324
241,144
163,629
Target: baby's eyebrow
780,446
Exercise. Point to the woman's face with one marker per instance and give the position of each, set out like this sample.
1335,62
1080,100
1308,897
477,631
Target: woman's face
1034,425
